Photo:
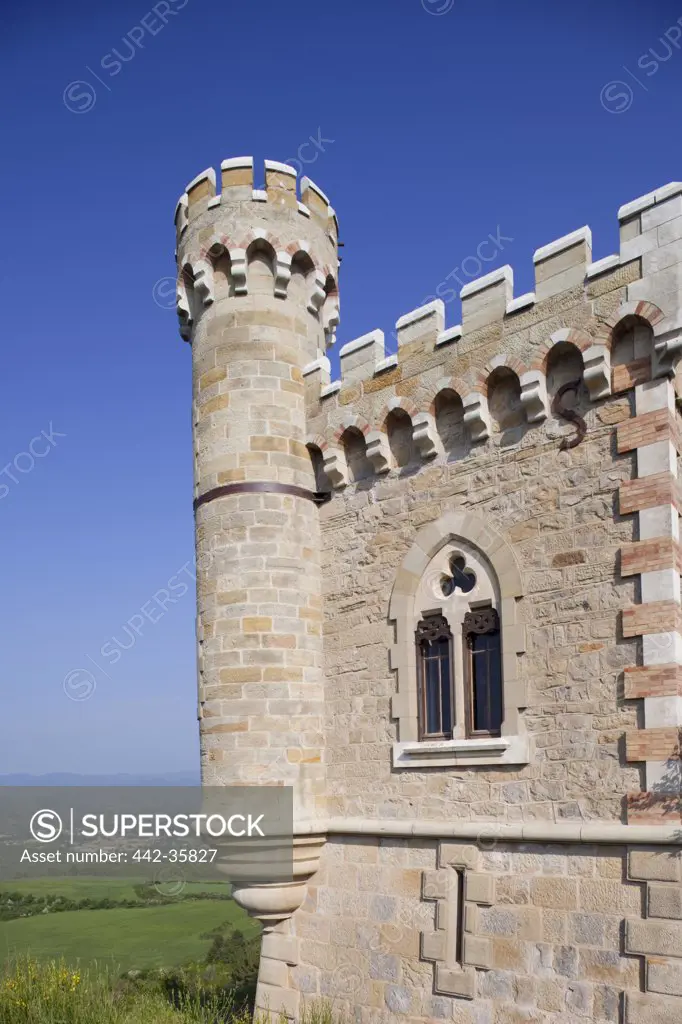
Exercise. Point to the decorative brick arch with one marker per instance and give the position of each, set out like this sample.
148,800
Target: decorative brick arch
475,531
498,362
317,441
455,384
397,402
565,335
261,236
350,421
643,310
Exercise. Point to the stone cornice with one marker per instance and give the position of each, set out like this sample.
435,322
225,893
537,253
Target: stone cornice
489,832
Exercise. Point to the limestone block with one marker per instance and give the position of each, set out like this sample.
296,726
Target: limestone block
665,901
664,976
436,885
273,972
238,268
358,358
281,947
642,1007
423,324
278,1000
433,945
655,865
485,300
479,888
457,855
477,952
562,264
659,938
453,981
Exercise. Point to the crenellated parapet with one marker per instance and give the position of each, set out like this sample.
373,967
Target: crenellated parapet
218,234
502,366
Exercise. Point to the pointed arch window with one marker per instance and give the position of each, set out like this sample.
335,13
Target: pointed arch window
459,645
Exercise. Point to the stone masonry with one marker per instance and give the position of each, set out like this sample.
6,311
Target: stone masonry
530,876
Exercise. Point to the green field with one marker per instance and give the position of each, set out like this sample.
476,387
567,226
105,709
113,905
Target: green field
123,938
97,888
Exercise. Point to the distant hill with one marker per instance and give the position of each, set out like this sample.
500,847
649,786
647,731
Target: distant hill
189,778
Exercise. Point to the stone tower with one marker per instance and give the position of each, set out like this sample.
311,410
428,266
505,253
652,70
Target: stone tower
487,770
257,522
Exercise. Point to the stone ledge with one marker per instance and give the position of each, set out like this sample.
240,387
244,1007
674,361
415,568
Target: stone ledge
466,752
487,831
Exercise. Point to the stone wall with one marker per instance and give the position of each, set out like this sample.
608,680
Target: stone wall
556,510
553,933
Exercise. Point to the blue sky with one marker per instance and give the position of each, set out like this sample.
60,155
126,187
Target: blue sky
437,123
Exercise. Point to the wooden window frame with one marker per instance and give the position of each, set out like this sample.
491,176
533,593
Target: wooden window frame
434,627
479,622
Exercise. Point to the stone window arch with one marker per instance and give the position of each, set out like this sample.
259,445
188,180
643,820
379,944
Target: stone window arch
459,570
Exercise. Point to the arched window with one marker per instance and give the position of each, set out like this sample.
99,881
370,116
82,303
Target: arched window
459,683
459,641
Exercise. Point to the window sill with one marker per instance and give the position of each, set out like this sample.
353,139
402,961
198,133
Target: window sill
462,752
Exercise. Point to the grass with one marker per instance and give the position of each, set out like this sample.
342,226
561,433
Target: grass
84,888
124,938
53,993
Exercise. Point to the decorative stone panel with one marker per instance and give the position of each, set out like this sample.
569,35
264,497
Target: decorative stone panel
458,890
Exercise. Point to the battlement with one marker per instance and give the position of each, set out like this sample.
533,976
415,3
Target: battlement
237,186
488,302
578,306
219,235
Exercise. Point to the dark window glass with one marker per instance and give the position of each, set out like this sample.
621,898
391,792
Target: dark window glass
434,653
484,675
